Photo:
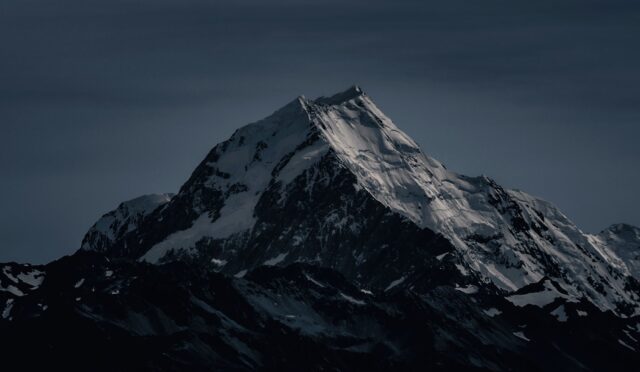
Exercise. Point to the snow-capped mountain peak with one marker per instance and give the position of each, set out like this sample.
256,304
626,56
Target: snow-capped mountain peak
347,126
293,186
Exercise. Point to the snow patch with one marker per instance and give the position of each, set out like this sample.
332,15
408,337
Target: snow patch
5,271
33,278
395,283
13,290
218,262
7,309
462,270
352,300
521,336
626,345
79,283
309,278
491,312
560,313
275,260
470,289
629,335
240,274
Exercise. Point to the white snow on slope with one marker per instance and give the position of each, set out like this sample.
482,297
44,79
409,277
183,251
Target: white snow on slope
470,289
184,239
626,345
521,336
125,217
395,283
29,276
560,313
491,312
351,299
12,289
33,278
276,260
240,274
540,299
6,313
235,221
250,158
309,278
218,262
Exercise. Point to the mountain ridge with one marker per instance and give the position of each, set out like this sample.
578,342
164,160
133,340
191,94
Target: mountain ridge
505,236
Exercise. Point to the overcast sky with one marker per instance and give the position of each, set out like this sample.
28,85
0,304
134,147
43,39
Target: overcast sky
102,101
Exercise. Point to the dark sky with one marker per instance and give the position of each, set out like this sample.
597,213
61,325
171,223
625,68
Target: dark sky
101,101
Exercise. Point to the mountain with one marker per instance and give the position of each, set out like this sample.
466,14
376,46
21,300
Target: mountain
323,238
334,182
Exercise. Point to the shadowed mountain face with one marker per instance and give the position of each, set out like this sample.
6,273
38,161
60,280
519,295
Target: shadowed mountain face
323,238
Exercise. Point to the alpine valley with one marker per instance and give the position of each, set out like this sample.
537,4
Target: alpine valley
322,238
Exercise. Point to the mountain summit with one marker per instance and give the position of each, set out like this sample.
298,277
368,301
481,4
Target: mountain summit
323,238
